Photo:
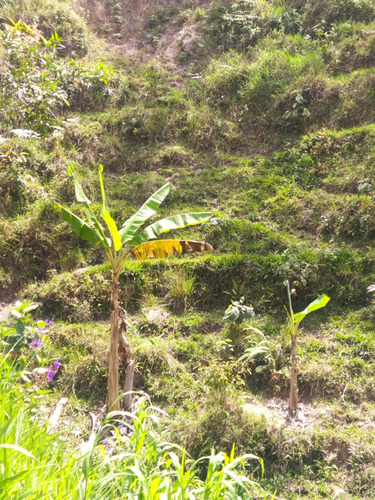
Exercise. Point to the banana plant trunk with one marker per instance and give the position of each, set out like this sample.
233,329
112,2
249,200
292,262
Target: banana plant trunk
119,348
293,395
113,401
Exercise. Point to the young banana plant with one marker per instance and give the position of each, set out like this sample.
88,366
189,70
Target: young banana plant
120,244
294,322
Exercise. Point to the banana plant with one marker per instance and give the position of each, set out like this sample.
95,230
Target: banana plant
119,244
294,322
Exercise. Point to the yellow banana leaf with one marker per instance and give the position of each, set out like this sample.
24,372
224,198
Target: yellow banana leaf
166,248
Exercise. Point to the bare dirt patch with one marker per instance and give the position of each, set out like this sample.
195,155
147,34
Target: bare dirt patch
5,308
275,411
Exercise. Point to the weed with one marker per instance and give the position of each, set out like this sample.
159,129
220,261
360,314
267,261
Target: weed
180,286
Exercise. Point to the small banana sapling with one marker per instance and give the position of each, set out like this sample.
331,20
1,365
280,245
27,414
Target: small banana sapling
120,244
294,322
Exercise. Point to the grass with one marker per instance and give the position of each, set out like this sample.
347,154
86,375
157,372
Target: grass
268,123
106,464
190,365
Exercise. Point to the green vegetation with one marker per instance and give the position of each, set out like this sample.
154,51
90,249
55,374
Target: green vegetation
260,112
118,248
37,461
294,321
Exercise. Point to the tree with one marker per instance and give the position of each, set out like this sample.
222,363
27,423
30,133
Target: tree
294,321
129,240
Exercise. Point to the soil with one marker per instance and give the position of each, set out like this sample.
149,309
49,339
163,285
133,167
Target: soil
5,308
276,411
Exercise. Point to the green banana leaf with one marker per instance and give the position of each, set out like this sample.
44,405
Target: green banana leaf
147,210
152,231
318,303
81,197
82,229
116,238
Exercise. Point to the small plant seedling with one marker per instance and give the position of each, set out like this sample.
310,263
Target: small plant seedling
294,322
237,311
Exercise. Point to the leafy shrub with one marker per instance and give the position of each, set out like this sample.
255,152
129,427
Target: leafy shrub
12,164
240,25
29,92
352,47
233,26
237,312
23,336
36,84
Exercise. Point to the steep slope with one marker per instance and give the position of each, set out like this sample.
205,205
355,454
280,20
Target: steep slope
261,112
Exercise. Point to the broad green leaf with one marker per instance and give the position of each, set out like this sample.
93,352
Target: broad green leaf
164,225
100,169
80,227
107,216
27,308
80,195
232,313
112,228
94,221
166,248
20,327
147,210
318,303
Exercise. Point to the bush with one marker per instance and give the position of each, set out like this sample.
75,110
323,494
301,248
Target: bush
334,11
36,84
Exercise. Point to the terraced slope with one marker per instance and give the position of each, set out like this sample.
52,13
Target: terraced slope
261,112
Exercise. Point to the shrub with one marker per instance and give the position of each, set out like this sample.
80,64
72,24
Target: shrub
334,11
36,84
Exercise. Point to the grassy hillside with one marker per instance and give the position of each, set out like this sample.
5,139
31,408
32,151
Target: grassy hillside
261,112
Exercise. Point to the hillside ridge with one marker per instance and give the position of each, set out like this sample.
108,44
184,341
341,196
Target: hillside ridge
260,112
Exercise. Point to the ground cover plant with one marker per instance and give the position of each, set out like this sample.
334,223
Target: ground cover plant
257,112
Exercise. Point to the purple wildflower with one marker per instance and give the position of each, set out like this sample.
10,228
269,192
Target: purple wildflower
47,324
44,328
35,343
106,445
52,370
